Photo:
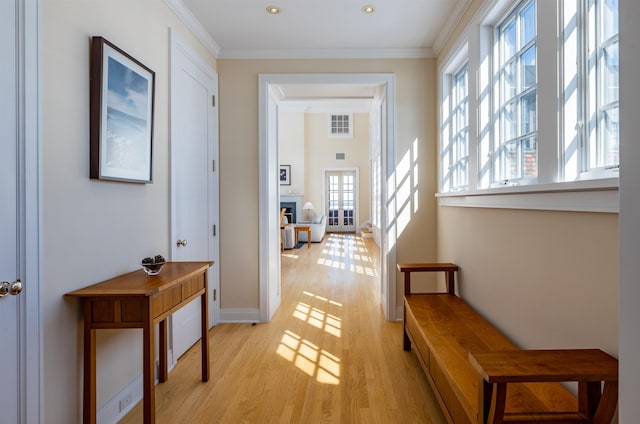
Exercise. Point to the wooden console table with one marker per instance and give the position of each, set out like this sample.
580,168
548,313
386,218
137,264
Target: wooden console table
136,300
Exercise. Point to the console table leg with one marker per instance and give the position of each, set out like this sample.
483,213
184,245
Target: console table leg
204,325
163,369
89,390
148,389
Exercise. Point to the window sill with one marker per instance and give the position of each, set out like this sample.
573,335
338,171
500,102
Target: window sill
581,196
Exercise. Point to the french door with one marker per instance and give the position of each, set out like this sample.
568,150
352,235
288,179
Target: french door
341,195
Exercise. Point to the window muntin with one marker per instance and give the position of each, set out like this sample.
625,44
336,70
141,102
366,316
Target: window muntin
340,125
602,73
454,151
516,150
460,129
562,92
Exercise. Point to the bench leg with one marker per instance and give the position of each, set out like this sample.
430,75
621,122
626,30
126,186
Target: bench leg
608,403
451,287
588,398
406,344
491,402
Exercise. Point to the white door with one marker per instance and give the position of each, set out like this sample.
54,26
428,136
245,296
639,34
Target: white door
11,302
341,198
194,186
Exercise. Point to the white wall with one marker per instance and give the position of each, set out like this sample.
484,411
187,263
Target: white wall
629,410
321,153
564,279
291,149
94,230
415,138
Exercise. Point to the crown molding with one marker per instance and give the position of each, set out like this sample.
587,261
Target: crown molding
326,53
194,25
450,25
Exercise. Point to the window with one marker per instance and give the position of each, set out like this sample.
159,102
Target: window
460,130
529,105
340,125
601,150
455,155
516,150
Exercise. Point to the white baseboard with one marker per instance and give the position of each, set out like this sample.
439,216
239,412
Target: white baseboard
400,314
239,315
110,412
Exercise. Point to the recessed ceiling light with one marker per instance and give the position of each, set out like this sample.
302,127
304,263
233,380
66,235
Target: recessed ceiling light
274,10
368,9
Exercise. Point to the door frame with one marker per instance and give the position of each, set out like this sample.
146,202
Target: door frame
30,192
357,188
269,244
178,43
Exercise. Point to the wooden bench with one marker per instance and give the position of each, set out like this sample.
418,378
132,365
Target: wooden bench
479,376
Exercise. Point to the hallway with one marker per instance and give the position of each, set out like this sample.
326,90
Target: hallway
328,355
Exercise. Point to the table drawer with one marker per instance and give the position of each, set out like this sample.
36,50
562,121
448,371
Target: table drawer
192,286
110,313
165,302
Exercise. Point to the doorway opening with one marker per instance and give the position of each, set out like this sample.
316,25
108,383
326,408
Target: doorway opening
382,160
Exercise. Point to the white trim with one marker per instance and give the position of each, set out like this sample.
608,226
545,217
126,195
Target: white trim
31,211
450,25
327,53
109,412
268,187
400,314
239,315
580,196
193,24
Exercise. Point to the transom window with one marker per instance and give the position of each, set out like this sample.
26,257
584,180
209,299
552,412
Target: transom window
516,151
340,125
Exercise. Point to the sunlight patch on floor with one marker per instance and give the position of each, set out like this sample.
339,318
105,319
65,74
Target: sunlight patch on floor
318,318
348,254
310,358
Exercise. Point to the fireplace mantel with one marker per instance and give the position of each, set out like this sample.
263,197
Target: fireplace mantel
294,198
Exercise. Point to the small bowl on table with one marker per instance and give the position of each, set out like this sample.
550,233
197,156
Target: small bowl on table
152,269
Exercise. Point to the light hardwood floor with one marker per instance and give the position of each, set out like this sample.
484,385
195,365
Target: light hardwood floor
328,356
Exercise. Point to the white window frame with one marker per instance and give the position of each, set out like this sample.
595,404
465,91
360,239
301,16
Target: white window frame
519,136
561,183
348,134
592,59
454,160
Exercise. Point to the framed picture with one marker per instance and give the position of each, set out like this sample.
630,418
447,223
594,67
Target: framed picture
285,174
121,113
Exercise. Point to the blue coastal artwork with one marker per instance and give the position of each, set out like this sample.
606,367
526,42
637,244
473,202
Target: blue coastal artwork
127,147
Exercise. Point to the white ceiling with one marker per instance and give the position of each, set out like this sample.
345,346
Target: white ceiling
327,28
322,29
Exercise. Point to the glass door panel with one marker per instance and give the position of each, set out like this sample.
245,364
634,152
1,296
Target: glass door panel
341,195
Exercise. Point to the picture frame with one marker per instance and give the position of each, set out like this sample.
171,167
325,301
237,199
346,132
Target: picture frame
285,174
122,92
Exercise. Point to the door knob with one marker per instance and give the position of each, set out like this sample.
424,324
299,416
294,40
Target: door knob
181,243
13,289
